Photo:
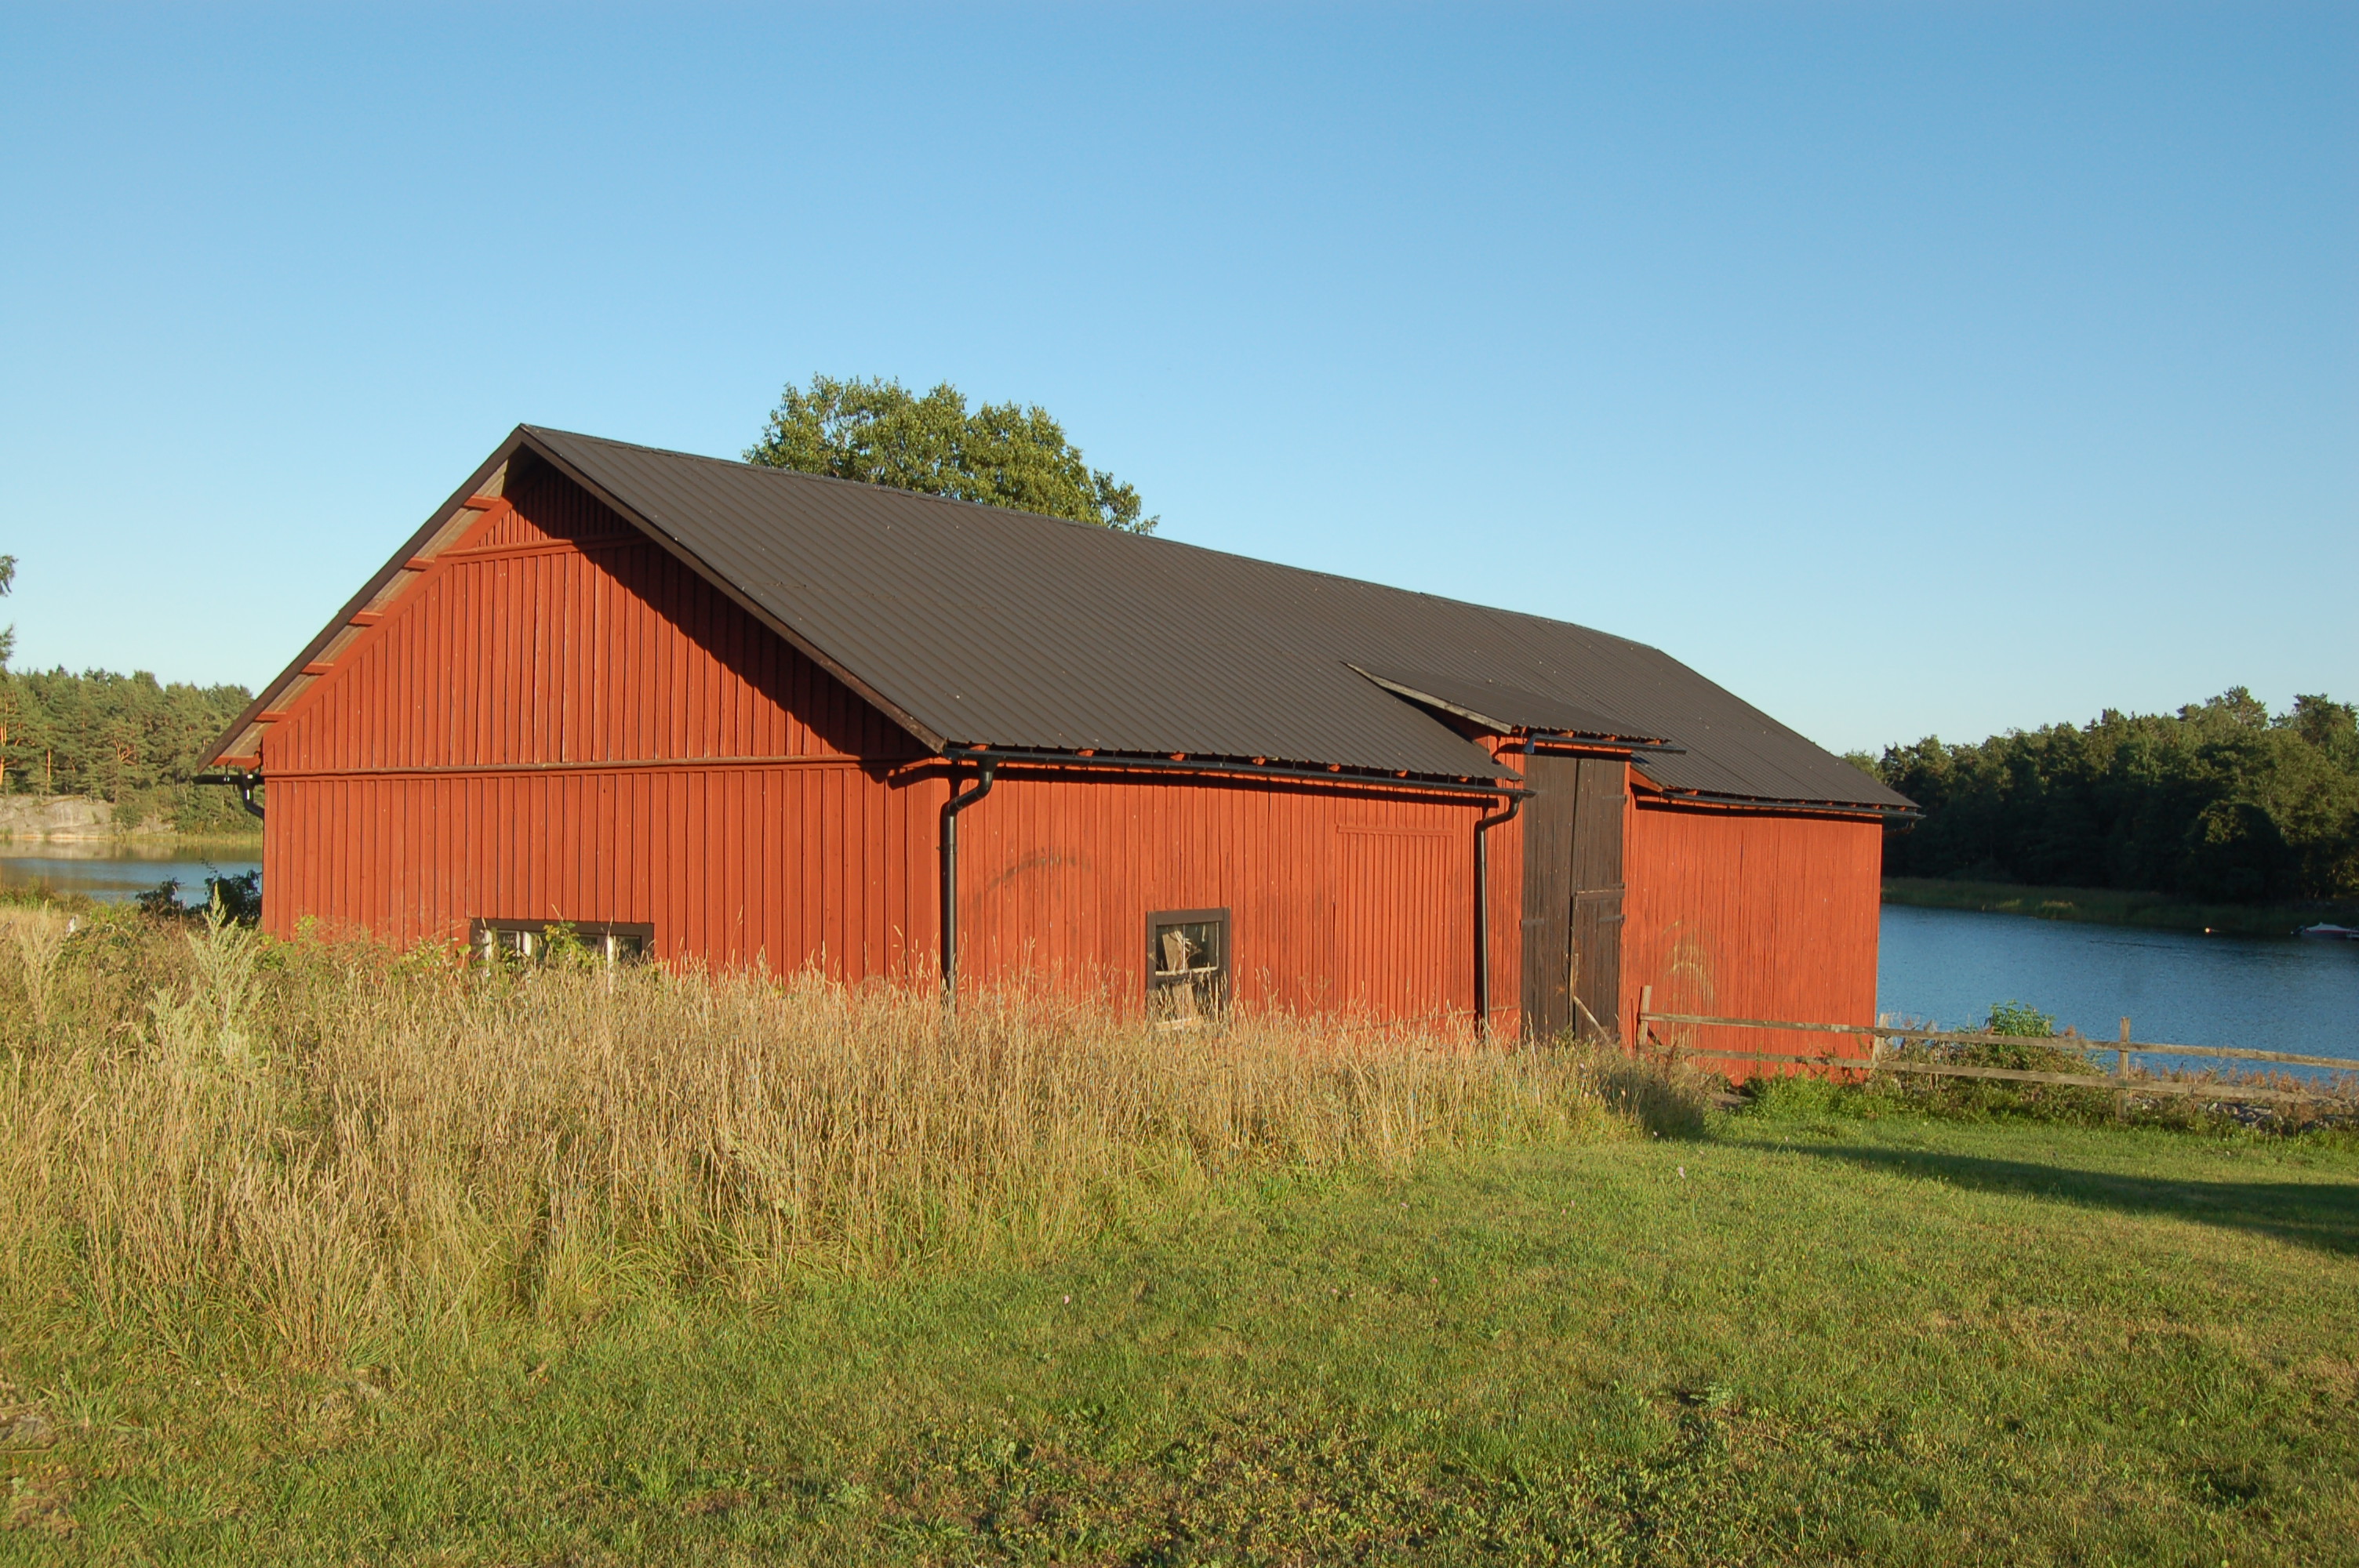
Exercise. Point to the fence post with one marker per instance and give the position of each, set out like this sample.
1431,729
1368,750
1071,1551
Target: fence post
2122,1072
1645,1030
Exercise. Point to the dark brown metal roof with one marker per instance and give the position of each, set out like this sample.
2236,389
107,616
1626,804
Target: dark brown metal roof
1511,709
978,626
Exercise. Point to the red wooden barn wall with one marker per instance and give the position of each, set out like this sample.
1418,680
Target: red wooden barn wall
1340,901
1750,915
559,720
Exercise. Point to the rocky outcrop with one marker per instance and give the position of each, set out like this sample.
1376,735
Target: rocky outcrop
67,816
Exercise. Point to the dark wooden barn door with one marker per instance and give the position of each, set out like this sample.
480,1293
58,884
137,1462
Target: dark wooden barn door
1573,894
1596,963
1554,784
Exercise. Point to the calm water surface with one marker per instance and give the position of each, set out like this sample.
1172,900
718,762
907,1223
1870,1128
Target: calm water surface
2284,994
115,873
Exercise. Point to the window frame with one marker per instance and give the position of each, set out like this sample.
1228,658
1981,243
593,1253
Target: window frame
1223,976
604,937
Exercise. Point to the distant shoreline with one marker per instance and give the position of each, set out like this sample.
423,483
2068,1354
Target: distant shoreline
63,819
143,836
152,845
2113,907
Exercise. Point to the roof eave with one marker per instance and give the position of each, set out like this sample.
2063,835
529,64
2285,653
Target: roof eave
1733,802
234,751
1606,740
1497,777
220,752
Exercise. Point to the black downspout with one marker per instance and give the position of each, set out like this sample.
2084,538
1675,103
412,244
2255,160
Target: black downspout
950,808
1482,910
245,782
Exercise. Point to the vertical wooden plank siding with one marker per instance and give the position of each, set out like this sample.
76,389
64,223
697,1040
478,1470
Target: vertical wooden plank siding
559,721
1599,816
1546,841
1572,891
1351,902
593,646
1750,915
550,846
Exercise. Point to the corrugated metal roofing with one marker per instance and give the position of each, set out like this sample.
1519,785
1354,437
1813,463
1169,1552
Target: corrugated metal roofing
976,625
1506,708
989,626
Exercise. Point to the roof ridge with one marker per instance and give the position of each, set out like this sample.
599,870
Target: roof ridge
747,465
740,465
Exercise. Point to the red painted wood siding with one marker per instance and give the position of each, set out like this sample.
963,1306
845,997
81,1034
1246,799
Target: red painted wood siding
1354,902
556,634
781,866
1751,914
558,721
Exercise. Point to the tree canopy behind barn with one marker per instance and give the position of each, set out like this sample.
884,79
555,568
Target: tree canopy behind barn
2220,800
879,432
131,739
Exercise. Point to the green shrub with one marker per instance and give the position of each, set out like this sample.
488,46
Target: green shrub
2016,1018
1800,1097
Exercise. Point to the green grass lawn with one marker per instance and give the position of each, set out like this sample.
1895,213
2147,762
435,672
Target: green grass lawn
1801,1339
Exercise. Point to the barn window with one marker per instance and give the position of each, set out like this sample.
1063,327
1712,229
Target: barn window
530,941
1187,966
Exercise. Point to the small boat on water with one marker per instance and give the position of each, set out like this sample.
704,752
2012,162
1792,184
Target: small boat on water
2342,933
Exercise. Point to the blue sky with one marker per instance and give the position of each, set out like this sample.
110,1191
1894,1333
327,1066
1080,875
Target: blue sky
1905,368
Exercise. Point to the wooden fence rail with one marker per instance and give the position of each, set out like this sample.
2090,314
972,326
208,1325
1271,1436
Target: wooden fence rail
2344,1091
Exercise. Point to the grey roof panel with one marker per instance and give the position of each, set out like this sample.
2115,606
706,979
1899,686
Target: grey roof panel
1504,708
977,625
990,626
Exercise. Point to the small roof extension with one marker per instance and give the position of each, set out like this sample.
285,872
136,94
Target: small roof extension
972,625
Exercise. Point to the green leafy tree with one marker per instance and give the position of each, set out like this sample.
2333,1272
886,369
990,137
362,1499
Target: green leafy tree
879,432
131,739
2222,800
8,583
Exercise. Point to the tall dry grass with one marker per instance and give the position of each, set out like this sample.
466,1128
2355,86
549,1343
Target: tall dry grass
207,1133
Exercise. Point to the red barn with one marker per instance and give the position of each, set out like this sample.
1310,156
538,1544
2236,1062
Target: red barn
701,709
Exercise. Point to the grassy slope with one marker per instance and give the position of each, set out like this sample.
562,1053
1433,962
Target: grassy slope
1898,1340
2111,906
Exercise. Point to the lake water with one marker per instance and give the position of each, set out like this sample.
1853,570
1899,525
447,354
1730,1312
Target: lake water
117,872
2296,994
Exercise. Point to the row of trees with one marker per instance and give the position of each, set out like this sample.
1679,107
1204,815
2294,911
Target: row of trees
126,738
2220,801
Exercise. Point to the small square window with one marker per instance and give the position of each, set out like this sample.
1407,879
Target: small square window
1188,964
509,942
530,941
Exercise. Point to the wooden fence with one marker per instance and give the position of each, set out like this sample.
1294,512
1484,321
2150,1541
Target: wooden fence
2344,1091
